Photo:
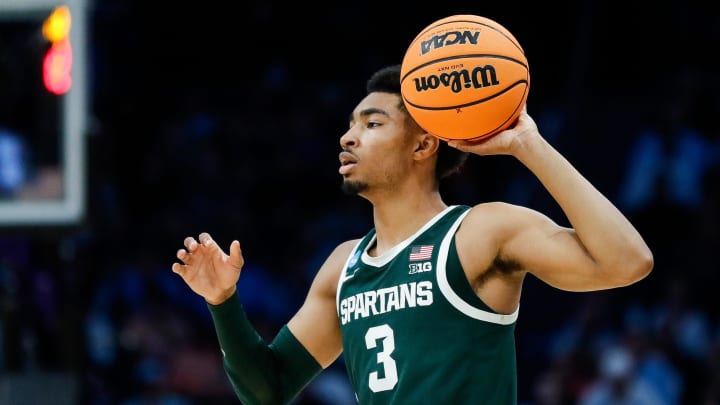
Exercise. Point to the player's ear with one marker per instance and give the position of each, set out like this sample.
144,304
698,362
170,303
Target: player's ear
426,145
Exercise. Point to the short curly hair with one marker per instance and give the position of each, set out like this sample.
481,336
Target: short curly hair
387,80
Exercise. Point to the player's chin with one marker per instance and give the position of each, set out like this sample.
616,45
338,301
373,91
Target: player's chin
353,187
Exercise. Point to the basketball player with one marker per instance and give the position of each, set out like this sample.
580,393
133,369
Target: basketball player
423,306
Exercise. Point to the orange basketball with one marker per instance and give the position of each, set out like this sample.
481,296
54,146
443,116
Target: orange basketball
465,77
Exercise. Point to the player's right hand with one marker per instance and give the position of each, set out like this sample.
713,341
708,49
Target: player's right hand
207,270
506,142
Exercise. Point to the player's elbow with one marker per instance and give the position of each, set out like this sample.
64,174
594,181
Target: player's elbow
645,264
635,267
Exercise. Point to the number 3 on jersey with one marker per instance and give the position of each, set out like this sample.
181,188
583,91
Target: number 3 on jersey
385,335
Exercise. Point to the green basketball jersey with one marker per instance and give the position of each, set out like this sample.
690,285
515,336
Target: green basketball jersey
413,330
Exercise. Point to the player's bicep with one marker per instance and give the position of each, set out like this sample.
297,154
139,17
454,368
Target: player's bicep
316,324
552,253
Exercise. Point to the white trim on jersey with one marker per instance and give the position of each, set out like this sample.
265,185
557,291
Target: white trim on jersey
342,277
452,296
387,256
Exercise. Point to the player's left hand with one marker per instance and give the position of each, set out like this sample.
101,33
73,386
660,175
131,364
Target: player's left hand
503,143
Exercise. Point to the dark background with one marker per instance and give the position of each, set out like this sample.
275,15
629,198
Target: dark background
226,119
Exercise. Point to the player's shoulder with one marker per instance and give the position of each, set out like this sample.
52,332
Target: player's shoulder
500,213
340,254
344,248
497,208
335,262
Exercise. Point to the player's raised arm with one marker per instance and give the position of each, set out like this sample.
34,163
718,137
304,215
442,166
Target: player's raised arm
601,250
263,373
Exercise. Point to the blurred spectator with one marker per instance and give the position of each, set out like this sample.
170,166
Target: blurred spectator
653,363
19,178
13,162
669,157
618,382
564,380
684,330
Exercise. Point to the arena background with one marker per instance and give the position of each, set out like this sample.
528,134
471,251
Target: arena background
208,116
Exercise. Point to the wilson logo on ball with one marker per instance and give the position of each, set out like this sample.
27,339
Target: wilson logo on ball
449,38
481,76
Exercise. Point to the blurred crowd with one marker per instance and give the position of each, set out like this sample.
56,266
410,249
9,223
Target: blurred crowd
93,315
101,303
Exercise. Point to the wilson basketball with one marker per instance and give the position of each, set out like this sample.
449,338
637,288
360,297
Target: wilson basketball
465,77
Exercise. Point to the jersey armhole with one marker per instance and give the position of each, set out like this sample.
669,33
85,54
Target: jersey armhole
470,306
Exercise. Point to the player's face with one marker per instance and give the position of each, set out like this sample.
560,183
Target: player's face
377,151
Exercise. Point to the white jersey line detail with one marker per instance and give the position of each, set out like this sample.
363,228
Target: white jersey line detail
451,295
385,258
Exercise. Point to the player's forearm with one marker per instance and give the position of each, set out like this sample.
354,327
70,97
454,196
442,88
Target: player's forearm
610,238
260,373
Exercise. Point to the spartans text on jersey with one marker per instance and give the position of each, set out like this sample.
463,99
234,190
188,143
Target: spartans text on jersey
395,298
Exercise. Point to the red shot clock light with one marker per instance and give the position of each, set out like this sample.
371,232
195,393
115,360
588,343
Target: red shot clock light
57,63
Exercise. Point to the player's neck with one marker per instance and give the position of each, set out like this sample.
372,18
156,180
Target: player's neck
398,218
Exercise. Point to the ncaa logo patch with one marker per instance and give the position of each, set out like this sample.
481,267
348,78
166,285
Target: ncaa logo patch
354,259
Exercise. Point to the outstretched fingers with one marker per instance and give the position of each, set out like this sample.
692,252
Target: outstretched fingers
190,244
205,239
185,255
205,247
178,268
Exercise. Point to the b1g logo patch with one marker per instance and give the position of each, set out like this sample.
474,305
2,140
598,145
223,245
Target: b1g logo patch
419,267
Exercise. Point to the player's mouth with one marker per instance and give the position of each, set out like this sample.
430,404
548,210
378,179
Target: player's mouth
347,162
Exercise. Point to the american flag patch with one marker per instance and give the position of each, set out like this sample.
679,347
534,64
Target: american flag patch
423,252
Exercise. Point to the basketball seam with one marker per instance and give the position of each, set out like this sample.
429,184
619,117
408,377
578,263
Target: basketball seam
523,100
482,100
